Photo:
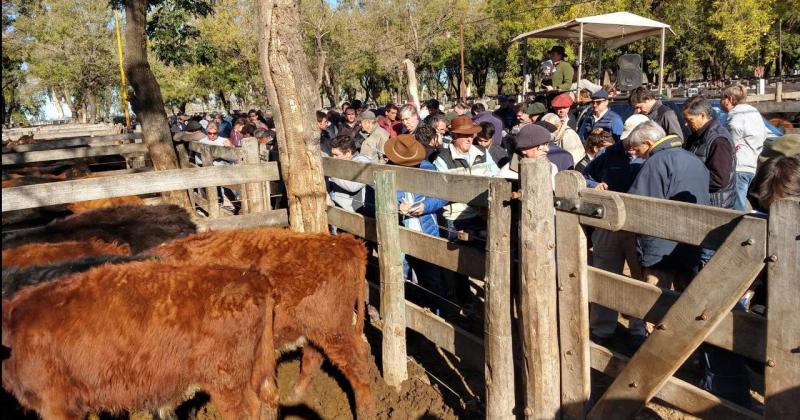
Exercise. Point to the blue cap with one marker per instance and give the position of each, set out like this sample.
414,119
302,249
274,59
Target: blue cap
600,94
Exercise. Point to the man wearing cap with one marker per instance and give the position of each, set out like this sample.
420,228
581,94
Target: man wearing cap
558,156
464,158
562,72
533,142
614,169
643,101
374,137
601,117
561,105
418,212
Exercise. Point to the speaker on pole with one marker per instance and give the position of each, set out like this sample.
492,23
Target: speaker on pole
629,71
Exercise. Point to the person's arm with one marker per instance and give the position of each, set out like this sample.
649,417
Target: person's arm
617,127
671,124
648,183
349,186
720,163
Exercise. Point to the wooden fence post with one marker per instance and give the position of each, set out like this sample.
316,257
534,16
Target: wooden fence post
497,322
778,91
254,193
573,301
211,192
393,308
782,376
538,294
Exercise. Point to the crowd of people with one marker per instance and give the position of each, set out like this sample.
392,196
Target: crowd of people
696,157
704,160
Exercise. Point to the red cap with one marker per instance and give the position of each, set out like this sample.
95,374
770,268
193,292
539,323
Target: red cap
562,101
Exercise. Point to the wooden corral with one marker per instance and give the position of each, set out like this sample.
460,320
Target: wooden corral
50,132
556,284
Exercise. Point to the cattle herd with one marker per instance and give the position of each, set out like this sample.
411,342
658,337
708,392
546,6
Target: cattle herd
127,308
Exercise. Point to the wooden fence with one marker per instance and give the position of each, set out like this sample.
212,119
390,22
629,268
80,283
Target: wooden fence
47,132
493,265
41,195
255,198
127,145
556,283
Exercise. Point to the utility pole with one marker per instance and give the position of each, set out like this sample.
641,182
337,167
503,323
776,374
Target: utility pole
463,87
123,83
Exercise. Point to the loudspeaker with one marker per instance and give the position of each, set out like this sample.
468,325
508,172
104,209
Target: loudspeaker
629,73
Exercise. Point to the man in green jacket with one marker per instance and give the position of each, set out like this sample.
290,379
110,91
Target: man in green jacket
562,71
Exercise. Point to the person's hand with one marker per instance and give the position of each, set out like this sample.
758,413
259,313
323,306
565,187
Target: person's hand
404,207
601,186
416,210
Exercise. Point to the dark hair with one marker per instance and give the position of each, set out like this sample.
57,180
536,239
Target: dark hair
597,137
357,104
344,143
249,129
433,119
640,94
487,131
241,121
697,105
776,178
252,111
390,106
321,115
425,134
478,108
433,104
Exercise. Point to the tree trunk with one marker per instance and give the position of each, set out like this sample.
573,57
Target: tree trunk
73,109
290,88
412,83
146,100
57,102
226,104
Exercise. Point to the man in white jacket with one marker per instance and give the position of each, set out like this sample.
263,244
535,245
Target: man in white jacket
749,132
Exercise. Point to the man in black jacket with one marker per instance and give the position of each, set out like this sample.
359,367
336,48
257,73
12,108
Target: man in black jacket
645,102
712,143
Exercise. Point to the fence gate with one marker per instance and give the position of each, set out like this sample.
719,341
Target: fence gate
682,321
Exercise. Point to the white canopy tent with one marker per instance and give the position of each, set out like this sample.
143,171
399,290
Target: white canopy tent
613,29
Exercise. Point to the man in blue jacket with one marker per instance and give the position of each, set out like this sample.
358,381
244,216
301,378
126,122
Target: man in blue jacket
673,173
601,117
614,170
418,212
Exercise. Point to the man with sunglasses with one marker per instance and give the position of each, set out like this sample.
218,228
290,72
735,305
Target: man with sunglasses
602,117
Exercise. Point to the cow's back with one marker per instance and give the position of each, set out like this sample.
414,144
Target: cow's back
133,335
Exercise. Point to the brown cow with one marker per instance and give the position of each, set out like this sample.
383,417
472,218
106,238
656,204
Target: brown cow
141,227
44,253
319,280
134,336
82,206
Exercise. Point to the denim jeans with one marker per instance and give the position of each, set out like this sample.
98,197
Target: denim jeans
743,180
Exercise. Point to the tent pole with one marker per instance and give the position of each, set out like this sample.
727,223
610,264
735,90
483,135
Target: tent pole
600,64
661,62
580,63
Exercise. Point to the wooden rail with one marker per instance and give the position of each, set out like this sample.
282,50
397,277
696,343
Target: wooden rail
41,195
109,140
75,153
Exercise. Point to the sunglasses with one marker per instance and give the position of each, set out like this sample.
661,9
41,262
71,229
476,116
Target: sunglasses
212,133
